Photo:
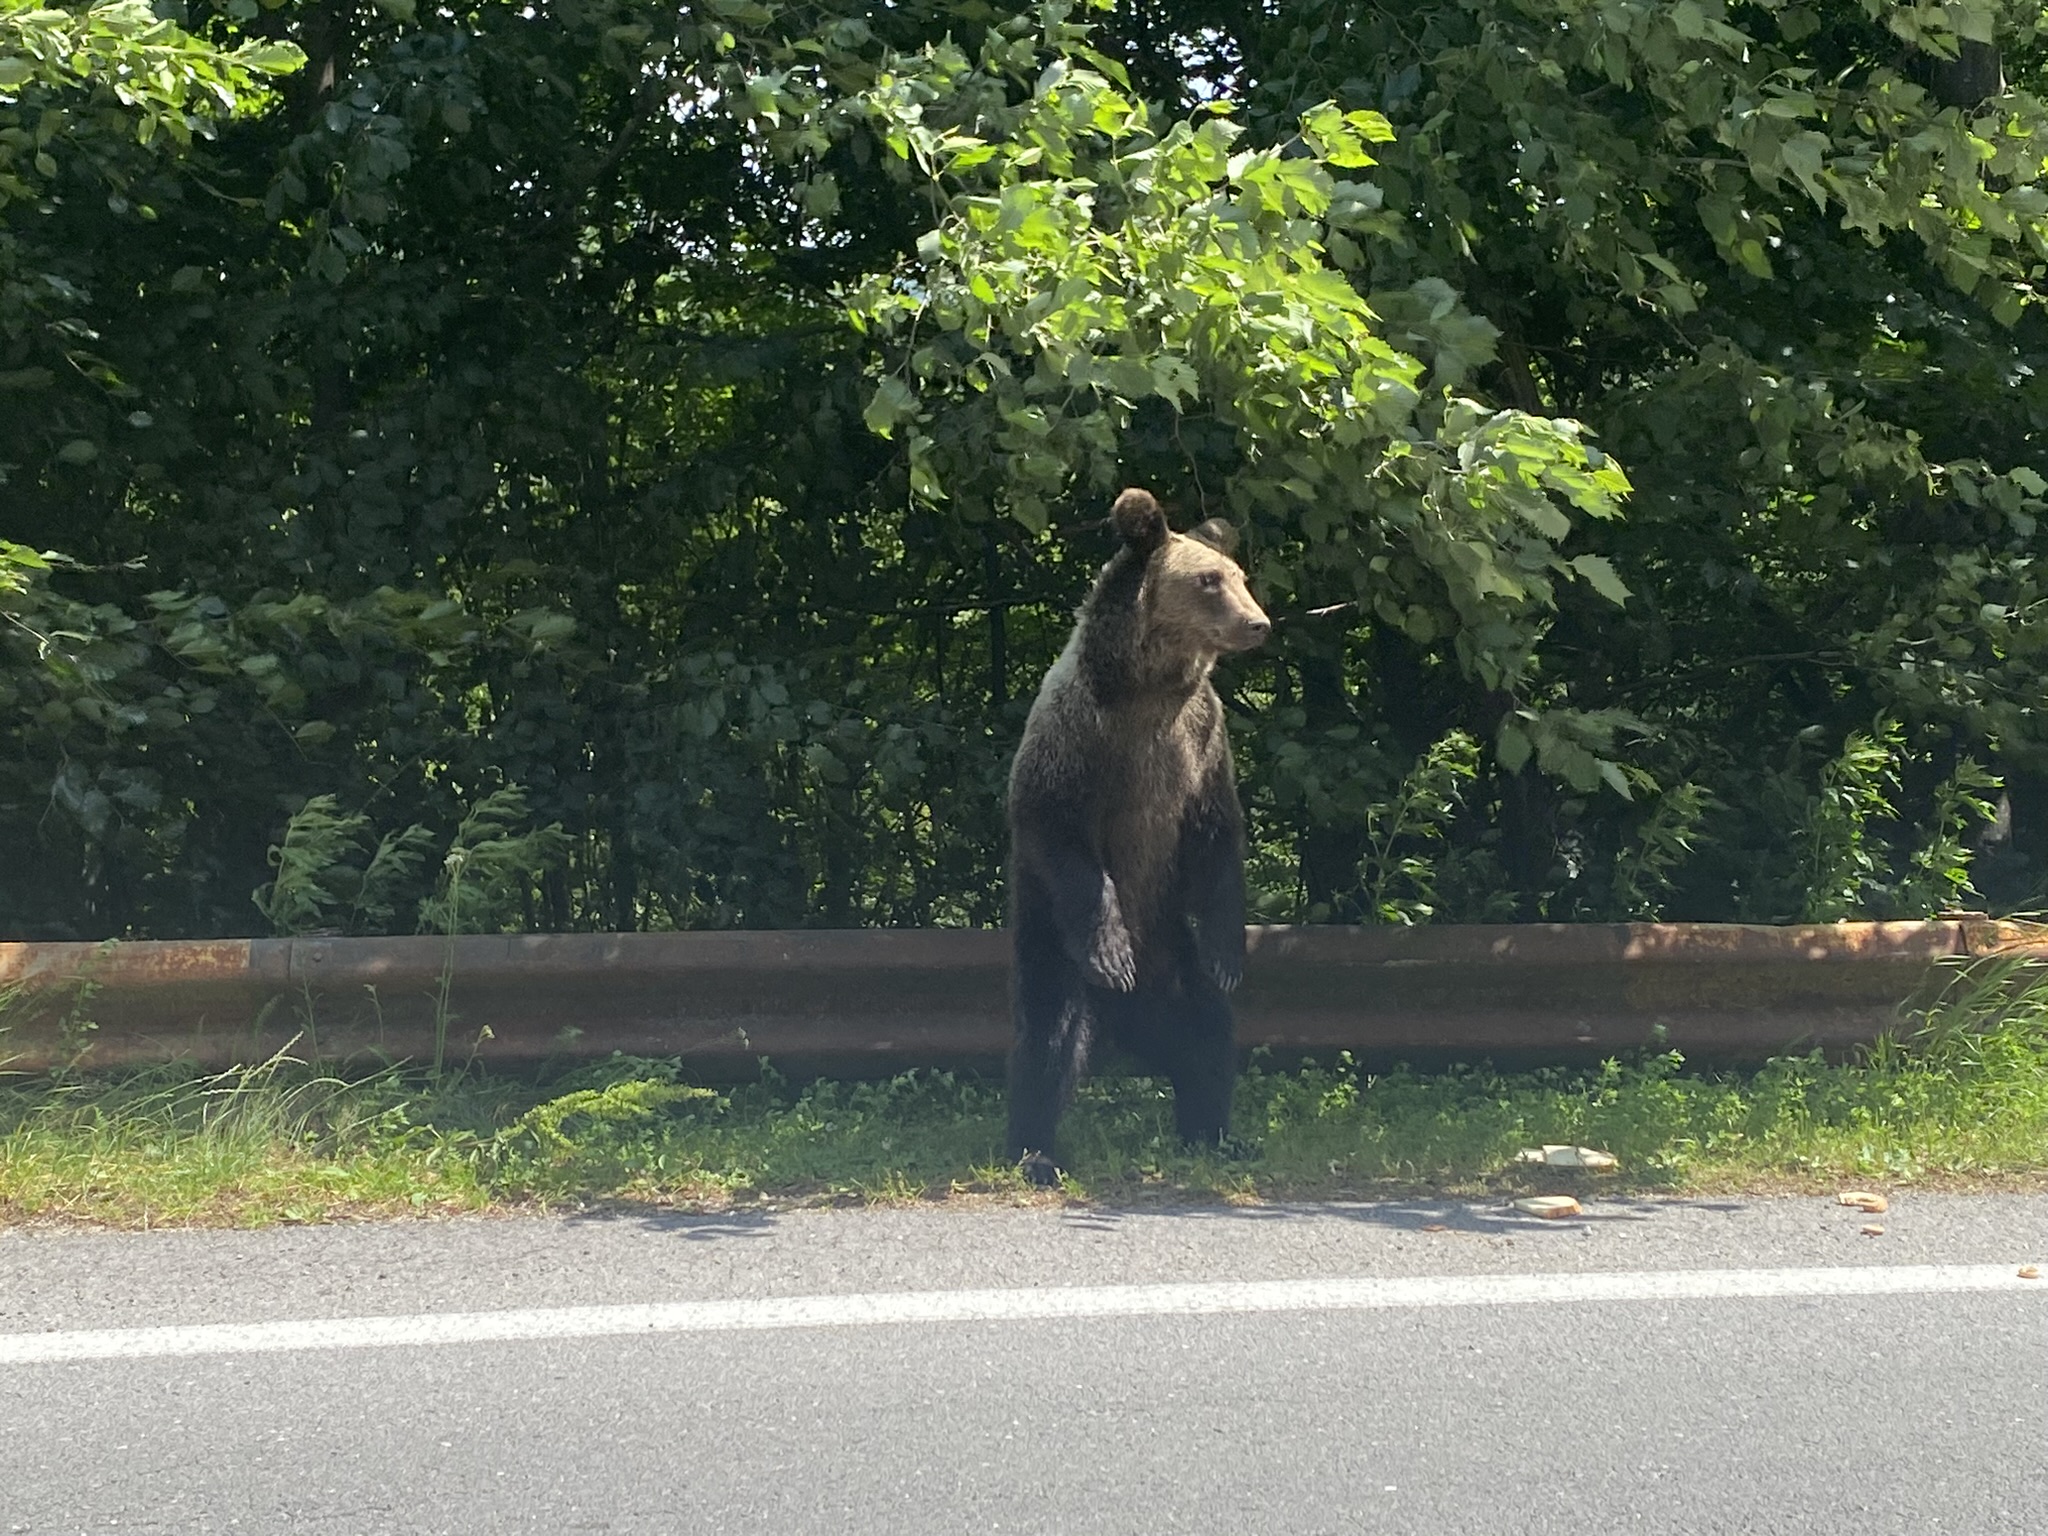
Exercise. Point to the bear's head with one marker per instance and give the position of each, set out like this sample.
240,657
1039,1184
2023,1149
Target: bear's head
1193,595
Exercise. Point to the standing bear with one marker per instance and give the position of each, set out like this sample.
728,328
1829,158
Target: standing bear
1126,838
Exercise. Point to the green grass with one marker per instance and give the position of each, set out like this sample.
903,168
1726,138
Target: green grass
1960,1097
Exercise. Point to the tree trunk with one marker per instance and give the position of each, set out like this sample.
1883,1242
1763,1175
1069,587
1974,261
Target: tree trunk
625,880
1330,851
998,625
1974,75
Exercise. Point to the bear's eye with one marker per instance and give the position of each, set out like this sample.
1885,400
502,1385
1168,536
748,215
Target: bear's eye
1210,581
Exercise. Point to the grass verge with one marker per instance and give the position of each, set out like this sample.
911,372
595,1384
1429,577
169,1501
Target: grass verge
1960,1096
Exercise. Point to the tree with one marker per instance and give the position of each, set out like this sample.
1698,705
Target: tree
1788,269
699,420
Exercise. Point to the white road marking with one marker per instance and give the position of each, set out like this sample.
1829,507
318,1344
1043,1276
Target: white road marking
1051,1304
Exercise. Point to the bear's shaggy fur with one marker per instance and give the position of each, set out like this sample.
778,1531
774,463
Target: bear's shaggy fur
1126,838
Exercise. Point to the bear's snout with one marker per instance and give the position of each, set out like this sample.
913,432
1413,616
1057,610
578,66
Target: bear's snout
1250,630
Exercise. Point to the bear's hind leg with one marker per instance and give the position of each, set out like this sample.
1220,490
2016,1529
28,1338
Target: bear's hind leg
1200,1051
1047,1055
1187,1037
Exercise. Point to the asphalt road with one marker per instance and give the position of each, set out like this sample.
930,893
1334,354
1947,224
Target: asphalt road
1753,1367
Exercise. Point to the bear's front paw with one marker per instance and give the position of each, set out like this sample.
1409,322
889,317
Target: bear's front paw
1226,971
1111,963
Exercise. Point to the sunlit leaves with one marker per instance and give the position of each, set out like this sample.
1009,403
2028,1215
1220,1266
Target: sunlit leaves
1087,261
116,66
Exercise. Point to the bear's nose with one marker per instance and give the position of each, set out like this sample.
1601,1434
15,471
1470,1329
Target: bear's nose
1259,628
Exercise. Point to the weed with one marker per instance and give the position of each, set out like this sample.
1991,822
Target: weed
1846,867
1644,870
1400,886
323,879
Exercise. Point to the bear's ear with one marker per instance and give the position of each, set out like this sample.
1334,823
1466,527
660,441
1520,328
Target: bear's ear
1218,535
1138,520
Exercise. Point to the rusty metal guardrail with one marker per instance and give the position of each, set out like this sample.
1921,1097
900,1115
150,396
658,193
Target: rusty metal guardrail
868,1003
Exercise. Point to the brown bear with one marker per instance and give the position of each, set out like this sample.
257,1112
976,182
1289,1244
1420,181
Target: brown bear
1126,837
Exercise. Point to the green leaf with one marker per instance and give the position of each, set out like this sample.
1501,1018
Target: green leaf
1803,155
1511,746
1600,575
891,404
270,58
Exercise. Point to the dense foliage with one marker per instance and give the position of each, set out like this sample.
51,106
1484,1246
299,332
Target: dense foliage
610,465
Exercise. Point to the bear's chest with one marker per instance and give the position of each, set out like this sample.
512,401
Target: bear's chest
1154,776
